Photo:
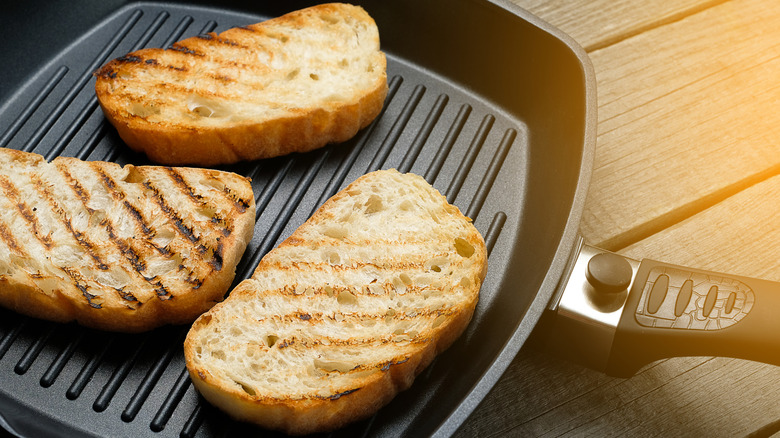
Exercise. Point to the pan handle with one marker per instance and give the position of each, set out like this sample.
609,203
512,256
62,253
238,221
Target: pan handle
617,315
676,311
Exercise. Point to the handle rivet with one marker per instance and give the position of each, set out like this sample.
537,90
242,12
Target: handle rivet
609,273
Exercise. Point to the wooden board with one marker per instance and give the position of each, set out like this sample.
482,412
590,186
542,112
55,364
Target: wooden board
541,395
687,171
600,23
690,111
740,236
687,106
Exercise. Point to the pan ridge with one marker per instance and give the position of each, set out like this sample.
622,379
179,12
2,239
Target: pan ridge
461,138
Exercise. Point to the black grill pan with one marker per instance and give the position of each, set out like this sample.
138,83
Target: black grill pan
491,105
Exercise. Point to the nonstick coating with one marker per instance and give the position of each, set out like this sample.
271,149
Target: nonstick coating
492,106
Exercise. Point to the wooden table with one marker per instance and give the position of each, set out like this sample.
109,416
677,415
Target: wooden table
687,171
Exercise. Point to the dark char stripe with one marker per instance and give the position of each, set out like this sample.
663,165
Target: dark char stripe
216,39
199,201
10,241
13,195
77,281
178,47
355,318
172,215
83,241
127,251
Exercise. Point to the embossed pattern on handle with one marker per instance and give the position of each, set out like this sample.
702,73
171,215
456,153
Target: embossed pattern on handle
674,311
682,299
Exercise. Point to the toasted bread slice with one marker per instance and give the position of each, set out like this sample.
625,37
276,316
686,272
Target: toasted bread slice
344,313
118,248
289,84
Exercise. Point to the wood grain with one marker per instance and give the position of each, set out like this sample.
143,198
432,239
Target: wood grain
688,172
688,115
598,23
543,396
740,236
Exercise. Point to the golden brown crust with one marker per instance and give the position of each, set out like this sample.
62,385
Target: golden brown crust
324,414
148,94
392,357
118,248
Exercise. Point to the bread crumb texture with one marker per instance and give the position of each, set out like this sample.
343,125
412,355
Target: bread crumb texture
291,83
118,248
345,312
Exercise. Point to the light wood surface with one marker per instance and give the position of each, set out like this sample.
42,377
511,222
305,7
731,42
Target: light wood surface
687,171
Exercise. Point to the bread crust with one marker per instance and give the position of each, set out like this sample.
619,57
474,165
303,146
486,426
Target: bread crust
332,405
110,282
132,90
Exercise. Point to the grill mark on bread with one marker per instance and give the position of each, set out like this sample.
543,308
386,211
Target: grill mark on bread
160,290
341,394
129,59
181,48
350,264
136,59
76,186
325,343
133,302
291,291
314,318
226,226
13,195
173,216
10,240
136,261
216,260
174,90
139,219
215,39
183,186
130,254
77,281
241,205
121,196
85,243
127,251
78,236
106,72
221,78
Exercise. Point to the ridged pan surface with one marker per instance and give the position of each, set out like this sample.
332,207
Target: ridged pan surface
487,158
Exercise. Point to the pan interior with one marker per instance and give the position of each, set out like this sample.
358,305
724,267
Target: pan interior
487,106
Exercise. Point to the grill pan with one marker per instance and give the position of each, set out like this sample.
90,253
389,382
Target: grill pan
492,106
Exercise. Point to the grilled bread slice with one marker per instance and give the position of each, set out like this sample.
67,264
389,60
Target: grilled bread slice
289,84
345,313
118,248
